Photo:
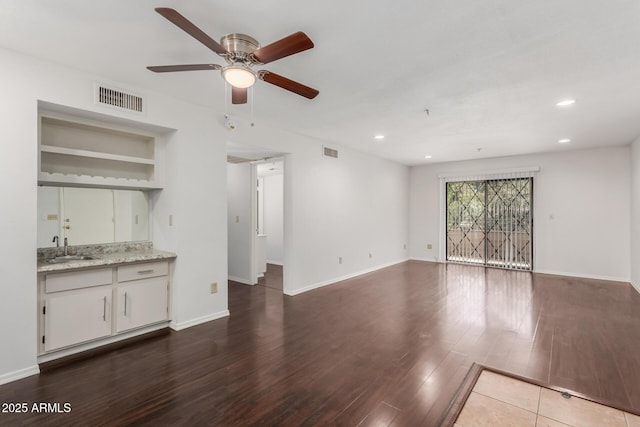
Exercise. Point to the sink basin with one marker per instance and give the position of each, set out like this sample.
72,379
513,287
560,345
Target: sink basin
67,258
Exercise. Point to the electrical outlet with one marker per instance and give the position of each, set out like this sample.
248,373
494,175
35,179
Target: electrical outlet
429,246
214,287
339,260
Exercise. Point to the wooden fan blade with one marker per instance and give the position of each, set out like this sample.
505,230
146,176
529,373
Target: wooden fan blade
238,95
190,28
296,42
190,67
290,85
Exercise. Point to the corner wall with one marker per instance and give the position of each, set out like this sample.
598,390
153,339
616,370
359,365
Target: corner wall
635,214
581,209
354,207
239,222
195,194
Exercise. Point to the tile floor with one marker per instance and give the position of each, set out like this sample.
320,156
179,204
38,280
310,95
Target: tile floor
498,401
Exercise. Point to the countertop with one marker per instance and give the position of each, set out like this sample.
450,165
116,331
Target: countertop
106,259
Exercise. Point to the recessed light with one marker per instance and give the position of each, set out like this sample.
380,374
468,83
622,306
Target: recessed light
564,141
427,156
565,102
378,137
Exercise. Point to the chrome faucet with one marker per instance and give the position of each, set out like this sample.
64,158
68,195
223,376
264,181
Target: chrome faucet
66,246
56,240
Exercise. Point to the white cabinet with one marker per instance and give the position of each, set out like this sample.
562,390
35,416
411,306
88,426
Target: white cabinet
142,302
76,316
88,305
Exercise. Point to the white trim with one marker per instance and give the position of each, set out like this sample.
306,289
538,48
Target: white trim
100,342
280,263
636,287
490,173
240,280
585,276
442,229
197,321
444,178
19,374
341,278
427,260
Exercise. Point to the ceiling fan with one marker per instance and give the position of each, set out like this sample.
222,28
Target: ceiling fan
242,53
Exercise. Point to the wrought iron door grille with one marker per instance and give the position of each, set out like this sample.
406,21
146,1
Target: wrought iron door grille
489,222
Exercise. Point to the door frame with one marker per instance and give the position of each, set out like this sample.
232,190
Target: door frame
523,172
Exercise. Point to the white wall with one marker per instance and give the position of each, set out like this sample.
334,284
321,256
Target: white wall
586,192
239,222
273,217
635,214
194,194
346,207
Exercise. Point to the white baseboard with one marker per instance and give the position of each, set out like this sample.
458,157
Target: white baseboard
340,279
197,321
426,260
275,263
240,280
100,342
19,374
584,276
556,273
636,287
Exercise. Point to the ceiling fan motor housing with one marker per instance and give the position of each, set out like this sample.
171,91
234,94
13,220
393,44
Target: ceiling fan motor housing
240,46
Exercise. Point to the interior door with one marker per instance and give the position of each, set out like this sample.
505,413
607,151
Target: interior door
88,216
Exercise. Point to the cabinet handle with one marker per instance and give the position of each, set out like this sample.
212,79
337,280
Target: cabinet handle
125,304
104,309
145,271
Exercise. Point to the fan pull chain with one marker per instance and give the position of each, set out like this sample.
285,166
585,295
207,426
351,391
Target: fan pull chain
251,100
226,100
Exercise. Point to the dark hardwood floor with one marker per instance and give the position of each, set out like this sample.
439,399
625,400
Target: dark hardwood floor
272,277
387,348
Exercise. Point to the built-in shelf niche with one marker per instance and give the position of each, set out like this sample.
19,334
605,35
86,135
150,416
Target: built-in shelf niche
87,154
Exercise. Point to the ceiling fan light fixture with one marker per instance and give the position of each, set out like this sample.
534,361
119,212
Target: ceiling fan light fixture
239,75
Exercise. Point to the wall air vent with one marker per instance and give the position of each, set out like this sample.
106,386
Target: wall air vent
119,99
330,152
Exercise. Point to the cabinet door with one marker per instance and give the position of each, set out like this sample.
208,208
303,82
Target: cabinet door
141,302
77,316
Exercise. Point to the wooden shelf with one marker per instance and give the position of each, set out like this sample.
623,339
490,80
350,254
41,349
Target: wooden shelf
90,154
95,155
95,181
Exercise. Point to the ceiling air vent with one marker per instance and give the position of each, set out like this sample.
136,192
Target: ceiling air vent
118,99
330,152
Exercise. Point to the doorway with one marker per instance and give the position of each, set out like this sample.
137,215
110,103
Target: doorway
270,223
490,222
257,240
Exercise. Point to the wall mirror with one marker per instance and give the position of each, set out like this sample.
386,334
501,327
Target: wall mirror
91,215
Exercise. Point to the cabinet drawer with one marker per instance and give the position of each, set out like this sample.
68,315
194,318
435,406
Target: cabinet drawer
78,279
142,271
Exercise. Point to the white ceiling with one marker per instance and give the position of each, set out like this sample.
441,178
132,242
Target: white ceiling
490,72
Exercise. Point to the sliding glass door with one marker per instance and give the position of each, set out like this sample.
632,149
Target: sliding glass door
489,222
